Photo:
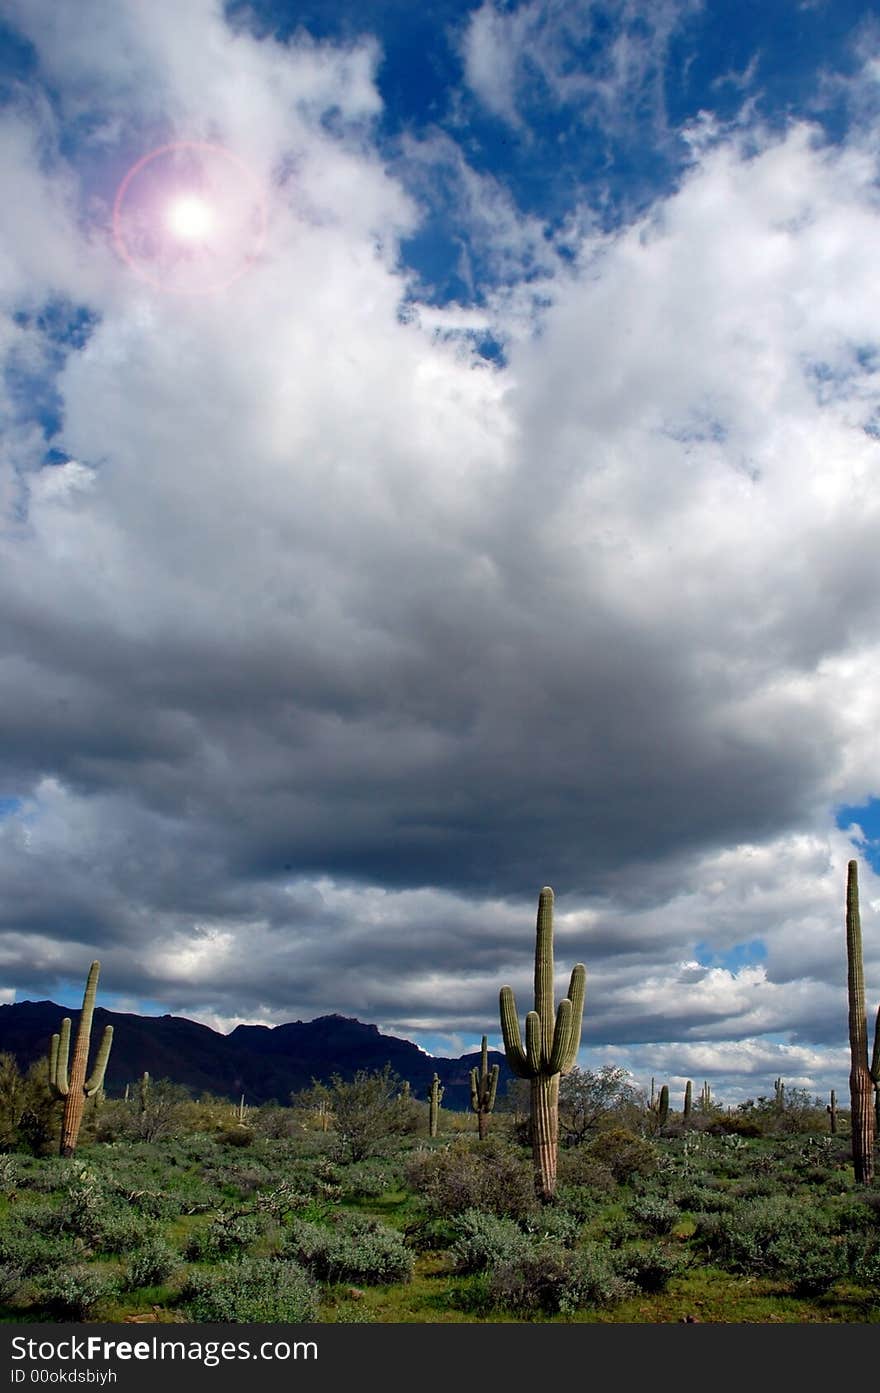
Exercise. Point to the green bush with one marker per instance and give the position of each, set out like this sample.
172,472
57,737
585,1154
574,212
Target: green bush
652,1268
262,1291
152,1263
482,1241
358,1250
761,1236
467,1174
550,1279
23,1247
624,1153
655,1216
227,1235
72,1293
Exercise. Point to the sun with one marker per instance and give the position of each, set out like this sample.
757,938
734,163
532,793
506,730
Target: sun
190,218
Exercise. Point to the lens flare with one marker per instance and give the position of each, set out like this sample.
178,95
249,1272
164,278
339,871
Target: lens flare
189,218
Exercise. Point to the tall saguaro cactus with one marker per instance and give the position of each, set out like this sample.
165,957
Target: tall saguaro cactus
552,1040
864,1078
484,1086
688,1098
434,1096
74,1087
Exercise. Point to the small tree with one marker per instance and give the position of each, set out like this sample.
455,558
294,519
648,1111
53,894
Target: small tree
367,1112
588,1097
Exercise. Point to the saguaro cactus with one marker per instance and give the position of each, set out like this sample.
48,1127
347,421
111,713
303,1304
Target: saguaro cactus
74,1087
434,1097
144,1091
663,1105
688,1098
864,1078
484,1085
832,1113
779,1095
552,1040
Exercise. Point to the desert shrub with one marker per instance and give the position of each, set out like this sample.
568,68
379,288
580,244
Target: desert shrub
226,1235
22,1247
862,1259
650,1269
617,1229
761,1236
482,1241
624,1153
753,1187
261,1291
115,1228
11,1280
555,1222
810,1263
235,1134
581,1202
578,1166
487,1175
359,1250
371,1178
150,1264
72,1293
9,1174
654,1215
704,1198
549,1279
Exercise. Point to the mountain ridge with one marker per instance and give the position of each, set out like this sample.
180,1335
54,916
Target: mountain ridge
265,1063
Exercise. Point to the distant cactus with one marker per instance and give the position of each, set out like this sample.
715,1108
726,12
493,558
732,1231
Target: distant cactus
74,1087
484,1085
434,1097
832,1113
779,1095
864,1078
663,1106
688,1099
144,1091
705,1098
552,1040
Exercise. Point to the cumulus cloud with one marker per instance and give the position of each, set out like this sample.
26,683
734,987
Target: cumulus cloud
329,643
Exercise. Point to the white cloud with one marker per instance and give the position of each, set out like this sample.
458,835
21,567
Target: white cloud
331,644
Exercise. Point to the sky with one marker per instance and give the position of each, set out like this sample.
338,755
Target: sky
439,459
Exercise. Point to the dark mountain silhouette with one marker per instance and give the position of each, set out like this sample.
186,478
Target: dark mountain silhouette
260,1061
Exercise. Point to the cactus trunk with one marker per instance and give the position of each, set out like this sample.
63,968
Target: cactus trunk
688,1098
861,1084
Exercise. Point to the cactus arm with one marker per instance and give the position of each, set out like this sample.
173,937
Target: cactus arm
577,992
561,1037
516,1056
59,1079
875,1058
493,1087
475,1092
534,1042
53,1062
96,1080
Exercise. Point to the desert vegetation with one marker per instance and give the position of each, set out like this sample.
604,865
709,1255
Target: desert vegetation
340,1206
587,1200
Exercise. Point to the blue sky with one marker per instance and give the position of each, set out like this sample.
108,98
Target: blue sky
439,459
